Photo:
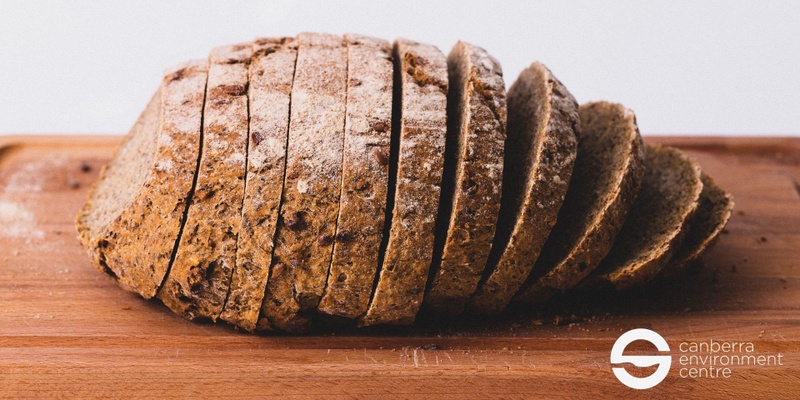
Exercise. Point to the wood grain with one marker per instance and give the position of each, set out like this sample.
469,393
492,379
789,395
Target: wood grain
68,331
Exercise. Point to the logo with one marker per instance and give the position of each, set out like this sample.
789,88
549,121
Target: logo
663,361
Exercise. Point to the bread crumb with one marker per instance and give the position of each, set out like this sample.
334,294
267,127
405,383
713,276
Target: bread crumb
73,184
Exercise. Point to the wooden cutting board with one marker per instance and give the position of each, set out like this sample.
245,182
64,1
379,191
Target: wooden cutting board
68,331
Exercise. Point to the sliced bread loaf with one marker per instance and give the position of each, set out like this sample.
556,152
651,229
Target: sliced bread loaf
605,181
713,210
199,277
473,171
543,132
133,215
307,226
418,142
271,74
654,228
365,174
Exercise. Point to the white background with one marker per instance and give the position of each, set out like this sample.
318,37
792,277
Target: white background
685,67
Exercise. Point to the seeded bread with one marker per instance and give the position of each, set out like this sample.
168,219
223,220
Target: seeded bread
311,189
199,277
543,132
365,174
473,174
293,180
605,181
654,228
419,135
713,210
271,74
131,220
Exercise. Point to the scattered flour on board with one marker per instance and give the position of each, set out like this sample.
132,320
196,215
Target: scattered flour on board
16,221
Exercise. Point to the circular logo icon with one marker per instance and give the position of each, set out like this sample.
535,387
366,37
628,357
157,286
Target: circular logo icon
663,361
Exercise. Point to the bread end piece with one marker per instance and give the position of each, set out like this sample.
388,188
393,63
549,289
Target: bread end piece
141,196
713,211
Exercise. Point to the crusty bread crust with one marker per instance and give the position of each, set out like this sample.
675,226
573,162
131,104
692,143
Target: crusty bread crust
321,179
271,74
365,174
199,277
131,220
307,226
473,174
605,182
543,131
657,222
422,130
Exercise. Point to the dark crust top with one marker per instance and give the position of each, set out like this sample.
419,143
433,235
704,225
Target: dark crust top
543,131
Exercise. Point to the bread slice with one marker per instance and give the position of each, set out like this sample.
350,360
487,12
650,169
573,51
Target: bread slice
271,74
543,132
713,211
365,174
141,196
472,183
418,142
605,182
199,277
654,228
310,206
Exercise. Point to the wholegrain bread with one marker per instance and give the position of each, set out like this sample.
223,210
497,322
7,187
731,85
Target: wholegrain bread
713,211
199,277
419,133
271,74
365,174
543,132
330,181
654,228
130,222
472,183
304,237
605,182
